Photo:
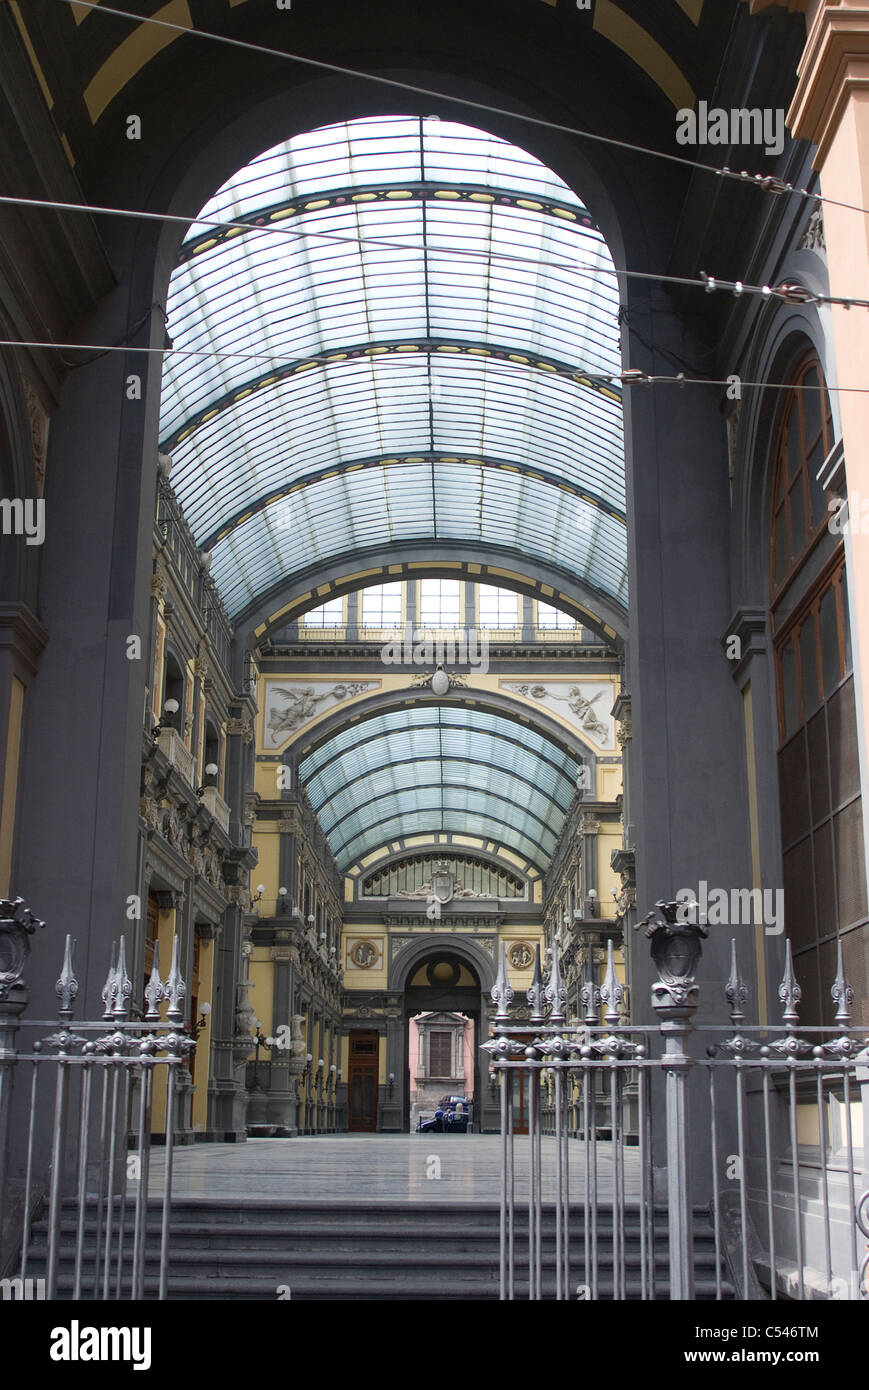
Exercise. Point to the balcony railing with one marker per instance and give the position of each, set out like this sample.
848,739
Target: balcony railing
217,807
171,743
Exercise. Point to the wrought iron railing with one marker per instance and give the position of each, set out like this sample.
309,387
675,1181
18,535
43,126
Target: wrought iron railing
621,1177
86,1183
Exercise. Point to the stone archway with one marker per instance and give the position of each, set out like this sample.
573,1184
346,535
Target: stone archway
470,958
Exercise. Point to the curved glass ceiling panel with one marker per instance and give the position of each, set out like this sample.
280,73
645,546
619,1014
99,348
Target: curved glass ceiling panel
369,407
382,149
438,820
388,504
512,783
406,282
426,290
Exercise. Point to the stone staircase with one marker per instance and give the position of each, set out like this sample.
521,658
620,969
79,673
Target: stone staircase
389,1251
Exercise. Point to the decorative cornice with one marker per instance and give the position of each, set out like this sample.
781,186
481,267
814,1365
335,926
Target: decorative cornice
749,626
835,63
624,862
23,634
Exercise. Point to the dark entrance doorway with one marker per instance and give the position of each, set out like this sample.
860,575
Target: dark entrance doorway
447,983
364,1054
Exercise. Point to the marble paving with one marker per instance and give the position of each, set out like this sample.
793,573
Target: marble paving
375,1168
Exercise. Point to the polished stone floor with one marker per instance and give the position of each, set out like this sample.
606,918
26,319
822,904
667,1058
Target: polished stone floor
374,1168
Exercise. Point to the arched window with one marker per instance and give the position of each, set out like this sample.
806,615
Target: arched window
211,752
799,505
173,689
819,783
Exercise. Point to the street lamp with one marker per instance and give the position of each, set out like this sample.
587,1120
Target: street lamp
170,708
211,770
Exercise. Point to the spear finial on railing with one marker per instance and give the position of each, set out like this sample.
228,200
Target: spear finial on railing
66,988
736,990
611,992
502,990
555,992
535,992
109,989
789,991
590,993
123,985
155,990
175,989
842,993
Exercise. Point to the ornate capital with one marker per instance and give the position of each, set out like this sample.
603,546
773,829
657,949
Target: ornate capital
169,899
158,581
240,728
38,419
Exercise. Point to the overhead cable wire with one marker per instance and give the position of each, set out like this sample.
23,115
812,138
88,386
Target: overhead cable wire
767,182
789,291
628,377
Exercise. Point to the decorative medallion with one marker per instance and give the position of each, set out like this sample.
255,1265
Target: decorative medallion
521,955
365,953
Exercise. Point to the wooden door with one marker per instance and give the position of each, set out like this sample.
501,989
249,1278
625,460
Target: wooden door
362,1082
521,1086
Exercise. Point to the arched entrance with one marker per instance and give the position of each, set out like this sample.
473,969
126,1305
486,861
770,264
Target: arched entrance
445,975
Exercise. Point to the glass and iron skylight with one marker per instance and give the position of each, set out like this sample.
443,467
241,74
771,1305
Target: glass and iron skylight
412,337
440,768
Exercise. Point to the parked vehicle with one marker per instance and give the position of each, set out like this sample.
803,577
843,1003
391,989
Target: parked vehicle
453,1116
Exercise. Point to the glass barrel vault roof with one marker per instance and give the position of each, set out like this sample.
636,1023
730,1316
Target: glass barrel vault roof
440,768
413,351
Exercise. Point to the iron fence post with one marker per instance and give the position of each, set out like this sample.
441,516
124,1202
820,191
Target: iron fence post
675,997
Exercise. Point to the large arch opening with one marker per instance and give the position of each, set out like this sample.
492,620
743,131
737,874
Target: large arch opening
397,361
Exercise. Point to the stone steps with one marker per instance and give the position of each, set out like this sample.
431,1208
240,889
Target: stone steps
383,1252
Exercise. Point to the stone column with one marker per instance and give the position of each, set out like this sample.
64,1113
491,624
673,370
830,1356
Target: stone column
231,1035
588,829
281,1107
392,1094
487,1104
353,606
687,776
527,617
95,573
